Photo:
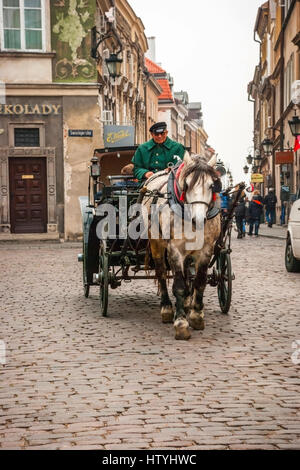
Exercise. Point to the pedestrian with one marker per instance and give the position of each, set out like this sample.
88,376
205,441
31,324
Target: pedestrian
270,202
156,154
255,211
240,215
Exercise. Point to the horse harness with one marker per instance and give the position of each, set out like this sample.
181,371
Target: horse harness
176,196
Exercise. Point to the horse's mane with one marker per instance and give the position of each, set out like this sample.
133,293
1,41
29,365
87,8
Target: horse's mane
199,169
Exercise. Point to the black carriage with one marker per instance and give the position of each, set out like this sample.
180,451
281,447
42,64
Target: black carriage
107,262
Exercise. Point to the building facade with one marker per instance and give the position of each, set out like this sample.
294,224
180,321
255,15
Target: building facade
57,97
277,30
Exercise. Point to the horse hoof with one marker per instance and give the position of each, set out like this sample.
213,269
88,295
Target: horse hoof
196,320
167,314
182,331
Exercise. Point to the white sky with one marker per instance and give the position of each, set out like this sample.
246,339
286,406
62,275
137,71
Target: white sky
207,46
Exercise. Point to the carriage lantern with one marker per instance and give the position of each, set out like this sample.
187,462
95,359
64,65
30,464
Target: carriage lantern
114,65
249,159
295,126
246,169
267,145
95,167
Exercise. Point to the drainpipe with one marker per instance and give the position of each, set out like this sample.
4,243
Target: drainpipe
282,95
259,66
259,42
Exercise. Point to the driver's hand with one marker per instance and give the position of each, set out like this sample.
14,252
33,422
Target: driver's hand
148,174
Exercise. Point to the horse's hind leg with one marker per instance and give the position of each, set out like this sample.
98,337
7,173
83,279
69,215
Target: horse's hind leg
196,315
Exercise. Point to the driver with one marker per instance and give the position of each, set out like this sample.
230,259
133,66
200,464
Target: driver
156,154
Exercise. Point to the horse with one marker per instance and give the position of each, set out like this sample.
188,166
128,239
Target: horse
195,187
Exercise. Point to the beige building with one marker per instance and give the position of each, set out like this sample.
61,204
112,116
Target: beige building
51,90
153,91
56,102
277,29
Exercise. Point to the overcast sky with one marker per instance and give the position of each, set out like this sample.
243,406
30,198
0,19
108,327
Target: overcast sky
208,48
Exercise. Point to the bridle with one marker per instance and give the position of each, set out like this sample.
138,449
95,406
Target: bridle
181,193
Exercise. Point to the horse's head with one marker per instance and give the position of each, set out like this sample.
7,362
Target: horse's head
197,181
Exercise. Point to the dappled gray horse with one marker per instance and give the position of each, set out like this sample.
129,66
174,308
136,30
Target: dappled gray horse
192,185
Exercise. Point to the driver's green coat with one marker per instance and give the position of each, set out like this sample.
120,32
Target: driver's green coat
156,157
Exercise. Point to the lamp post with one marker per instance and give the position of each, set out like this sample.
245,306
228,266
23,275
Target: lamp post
114,63
246,169
249,159
257,161
267,146
295,125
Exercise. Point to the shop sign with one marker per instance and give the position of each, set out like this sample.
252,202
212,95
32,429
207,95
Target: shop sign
284,157
257,178
118,136
80,133
26,109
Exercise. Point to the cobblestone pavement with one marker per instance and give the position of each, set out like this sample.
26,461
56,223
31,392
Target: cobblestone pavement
73,379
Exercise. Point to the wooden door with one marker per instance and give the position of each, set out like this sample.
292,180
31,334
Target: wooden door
28,195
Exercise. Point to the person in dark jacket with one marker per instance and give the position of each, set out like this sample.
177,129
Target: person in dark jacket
256,207
270,202
240,215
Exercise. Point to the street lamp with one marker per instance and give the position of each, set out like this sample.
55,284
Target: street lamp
246,169
114,65
295,125
220,168
249,159
267,145
257,160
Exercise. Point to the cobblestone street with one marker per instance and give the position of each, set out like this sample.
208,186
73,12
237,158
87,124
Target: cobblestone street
74,379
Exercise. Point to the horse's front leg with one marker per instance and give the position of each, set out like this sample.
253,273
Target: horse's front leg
158,254
196,315
181,325
166,309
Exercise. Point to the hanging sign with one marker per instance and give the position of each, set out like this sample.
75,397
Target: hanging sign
284,157
257,178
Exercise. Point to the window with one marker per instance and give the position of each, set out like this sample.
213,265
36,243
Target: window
22,24
27,137
288,81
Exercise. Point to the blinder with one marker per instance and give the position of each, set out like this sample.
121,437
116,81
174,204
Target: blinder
177,197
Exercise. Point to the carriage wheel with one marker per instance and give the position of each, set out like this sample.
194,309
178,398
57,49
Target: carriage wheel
104,278
225,281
